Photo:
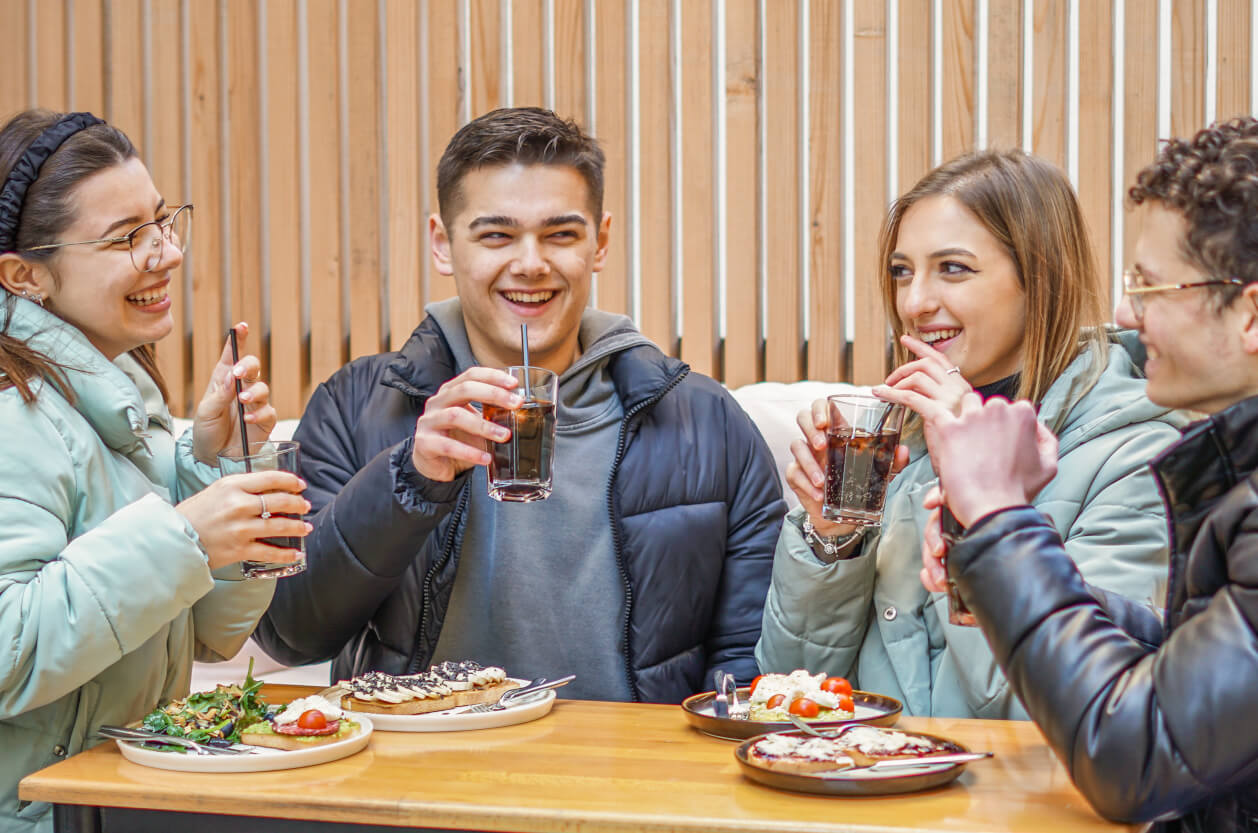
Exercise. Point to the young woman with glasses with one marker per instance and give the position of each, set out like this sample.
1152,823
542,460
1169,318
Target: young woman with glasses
991,286
117,540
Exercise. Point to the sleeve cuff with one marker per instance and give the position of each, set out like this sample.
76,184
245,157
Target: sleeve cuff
412,490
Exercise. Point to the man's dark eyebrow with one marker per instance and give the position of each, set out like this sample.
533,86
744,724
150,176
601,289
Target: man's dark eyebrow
131,221
564,220
494,220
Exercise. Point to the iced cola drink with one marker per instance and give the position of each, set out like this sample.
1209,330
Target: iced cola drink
520,469
860,450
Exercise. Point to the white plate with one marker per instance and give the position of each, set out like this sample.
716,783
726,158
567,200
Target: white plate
445,722
264,760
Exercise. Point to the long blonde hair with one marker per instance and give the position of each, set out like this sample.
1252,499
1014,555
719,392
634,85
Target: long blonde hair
1029,206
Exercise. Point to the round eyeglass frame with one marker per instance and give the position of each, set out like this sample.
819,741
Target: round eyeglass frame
1134,288
157,246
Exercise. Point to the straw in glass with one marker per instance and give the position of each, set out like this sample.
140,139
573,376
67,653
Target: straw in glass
240,408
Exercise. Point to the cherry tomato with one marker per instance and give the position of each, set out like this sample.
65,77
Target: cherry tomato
837,685
775,701
805,707
312,719
846,704
758,678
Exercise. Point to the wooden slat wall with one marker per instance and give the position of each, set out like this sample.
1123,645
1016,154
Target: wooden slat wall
753,146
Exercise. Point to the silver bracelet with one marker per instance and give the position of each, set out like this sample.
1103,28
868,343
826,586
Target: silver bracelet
831,545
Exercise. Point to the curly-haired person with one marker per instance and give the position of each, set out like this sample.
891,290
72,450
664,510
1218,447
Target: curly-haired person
1147,712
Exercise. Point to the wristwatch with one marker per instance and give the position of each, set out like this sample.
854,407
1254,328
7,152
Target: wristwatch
831,545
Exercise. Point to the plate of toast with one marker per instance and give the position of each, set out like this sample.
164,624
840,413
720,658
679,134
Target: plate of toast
438,700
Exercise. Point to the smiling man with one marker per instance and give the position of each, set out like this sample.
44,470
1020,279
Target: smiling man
647,567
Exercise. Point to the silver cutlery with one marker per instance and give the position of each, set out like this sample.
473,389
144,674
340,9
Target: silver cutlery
147,736
720,703
929,760
515,696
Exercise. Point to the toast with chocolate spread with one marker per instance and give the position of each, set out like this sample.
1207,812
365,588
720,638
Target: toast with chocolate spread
444,686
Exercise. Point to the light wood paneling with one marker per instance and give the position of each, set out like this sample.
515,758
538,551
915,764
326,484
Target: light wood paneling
308,132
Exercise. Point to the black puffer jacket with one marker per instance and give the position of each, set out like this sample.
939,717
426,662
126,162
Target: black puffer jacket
694,500
1153,721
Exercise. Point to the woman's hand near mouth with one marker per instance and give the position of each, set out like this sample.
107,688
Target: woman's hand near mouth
930,377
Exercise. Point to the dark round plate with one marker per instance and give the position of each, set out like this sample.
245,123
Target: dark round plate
855,782
871,709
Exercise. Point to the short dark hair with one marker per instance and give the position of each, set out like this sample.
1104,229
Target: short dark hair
524,135
1212,180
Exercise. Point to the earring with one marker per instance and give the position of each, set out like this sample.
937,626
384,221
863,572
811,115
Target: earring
39,299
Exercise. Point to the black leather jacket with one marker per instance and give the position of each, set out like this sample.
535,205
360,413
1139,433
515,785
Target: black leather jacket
1153,720
694,500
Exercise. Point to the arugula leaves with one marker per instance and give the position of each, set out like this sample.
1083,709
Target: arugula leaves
208,715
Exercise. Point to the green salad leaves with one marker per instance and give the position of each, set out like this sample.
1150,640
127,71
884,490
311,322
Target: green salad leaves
208,715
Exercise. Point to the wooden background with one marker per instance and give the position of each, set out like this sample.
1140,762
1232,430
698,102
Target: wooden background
753,146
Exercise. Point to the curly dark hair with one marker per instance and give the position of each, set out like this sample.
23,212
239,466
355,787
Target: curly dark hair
1212,180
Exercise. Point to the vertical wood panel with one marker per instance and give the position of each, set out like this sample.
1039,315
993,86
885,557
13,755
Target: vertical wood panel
699,335
958,77
484,66
1049,121
1188,67
50,56
327,336
742,127
611,102
656,199
1004,71
204,150
447,85
570,56
1096,134
125,69
289,372
527,40
784,347
913,96
404,214
869,358
245,217
165,160
1235,53
88,92
363,216
827,333
1140,96
13,58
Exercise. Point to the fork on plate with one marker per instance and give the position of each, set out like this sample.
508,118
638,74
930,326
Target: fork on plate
147,736
515,696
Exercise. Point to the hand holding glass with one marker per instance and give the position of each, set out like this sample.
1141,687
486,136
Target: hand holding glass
268,456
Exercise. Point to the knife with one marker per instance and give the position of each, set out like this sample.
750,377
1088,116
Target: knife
931,760
147,736
720,704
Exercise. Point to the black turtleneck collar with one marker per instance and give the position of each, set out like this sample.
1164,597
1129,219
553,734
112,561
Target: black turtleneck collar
1006,387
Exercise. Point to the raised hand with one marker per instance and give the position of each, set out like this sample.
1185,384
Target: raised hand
450,435
214,425
930,379
227,516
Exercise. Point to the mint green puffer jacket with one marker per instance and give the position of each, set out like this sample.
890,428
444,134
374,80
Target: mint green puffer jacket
105,594
870,619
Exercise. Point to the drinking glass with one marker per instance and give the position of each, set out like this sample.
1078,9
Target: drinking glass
281,455
521,469
860,447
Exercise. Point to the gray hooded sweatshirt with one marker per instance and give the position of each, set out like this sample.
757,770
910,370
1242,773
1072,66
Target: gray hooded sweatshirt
538,591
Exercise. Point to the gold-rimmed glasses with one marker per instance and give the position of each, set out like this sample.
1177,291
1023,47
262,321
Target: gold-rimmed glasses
147,241
1135,286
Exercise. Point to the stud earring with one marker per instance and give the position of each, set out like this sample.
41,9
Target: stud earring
39,299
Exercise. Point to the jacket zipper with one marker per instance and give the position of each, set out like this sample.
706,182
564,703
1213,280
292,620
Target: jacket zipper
447,549
615,522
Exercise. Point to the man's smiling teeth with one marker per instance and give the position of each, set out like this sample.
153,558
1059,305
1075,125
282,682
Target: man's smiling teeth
146,298
939,335
529,297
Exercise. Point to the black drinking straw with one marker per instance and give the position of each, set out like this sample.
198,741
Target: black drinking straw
524,347
240,408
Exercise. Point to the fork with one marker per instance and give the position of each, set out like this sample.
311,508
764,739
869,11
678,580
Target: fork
147,736
509,697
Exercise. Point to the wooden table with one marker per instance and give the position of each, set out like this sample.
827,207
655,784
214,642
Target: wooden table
586,767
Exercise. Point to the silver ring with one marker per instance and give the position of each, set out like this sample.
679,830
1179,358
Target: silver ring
265,514
954,369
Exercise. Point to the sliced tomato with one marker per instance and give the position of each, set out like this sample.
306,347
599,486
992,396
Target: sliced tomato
846,704
312,719
837,685
754,682
775,701
805,707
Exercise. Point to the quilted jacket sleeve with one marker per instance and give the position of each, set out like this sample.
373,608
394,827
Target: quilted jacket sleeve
1145,731
371,516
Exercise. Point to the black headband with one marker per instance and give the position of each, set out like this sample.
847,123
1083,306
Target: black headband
26,171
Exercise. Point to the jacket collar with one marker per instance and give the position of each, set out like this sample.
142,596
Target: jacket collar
426,362
104,394
1214,455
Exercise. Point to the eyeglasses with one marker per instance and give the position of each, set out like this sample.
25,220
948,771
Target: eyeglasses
1136,288
147,241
